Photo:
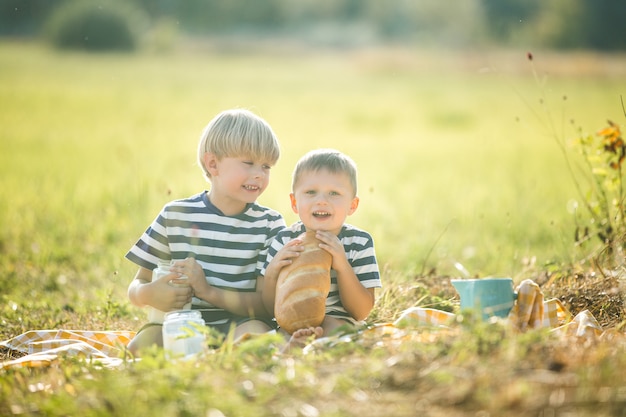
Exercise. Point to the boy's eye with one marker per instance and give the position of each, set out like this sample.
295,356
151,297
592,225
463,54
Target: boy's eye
251,163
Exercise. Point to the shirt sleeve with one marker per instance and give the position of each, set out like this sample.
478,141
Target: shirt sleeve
153,245
365,265
266,255
276,245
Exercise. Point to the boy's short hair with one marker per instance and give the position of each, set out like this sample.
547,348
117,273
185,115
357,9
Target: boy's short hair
238,132
329,159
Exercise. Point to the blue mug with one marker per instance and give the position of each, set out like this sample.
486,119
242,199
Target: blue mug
487,296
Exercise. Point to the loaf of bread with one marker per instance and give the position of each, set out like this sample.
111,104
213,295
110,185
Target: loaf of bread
303,286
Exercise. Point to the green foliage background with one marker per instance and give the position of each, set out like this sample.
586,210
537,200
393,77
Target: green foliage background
565,24
456,153
91,26
458,163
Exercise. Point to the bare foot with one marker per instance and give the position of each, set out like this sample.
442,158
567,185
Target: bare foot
300,337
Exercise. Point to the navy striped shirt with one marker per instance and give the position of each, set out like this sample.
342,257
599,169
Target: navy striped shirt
359,247
230,249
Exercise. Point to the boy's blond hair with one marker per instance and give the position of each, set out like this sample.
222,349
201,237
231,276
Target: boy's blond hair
329,159
238,132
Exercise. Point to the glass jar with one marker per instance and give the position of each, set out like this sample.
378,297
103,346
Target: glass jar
164,268
183,333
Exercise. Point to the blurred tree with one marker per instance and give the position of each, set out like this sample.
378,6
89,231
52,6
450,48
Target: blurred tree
595,24
504,17
24,17
202,16
89,25
599,24
426,21
582,24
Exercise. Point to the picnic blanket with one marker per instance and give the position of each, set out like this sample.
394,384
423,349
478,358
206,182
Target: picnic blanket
530,311
44,347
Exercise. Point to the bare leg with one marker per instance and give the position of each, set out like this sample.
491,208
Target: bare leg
330,324
147,337
249,328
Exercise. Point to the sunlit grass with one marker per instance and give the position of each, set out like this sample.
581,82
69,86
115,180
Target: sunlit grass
456,165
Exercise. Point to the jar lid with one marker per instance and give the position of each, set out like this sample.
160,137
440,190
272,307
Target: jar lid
165,264
183,314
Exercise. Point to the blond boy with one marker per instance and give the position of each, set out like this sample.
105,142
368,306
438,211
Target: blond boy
324,194
219,237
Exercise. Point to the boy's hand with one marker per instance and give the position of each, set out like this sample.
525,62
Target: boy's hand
284,257
193,272
332,244
168,294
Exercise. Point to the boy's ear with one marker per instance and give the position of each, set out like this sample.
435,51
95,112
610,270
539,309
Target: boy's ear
210,163
294,206
353,205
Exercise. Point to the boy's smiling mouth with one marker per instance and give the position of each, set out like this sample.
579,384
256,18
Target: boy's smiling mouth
320,214
251,187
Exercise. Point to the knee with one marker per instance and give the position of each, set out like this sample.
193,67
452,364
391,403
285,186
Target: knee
330,324
151,336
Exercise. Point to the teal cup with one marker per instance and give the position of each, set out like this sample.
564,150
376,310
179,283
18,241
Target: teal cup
487,297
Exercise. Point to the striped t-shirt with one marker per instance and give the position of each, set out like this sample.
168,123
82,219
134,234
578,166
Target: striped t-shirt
230,249
359,247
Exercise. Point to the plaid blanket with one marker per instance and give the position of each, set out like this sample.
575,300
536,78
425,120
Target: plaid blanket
43,347
531,311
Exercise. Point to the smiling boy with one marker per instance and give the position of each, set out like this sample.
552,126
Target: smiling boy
324,194
219,238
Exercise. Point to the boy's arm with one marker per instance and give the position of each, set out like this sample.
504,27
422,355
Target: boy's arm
268,292
248,304
356,299
283,257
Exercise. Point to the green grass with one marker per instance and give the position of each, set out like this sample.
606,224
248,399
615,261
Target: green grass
114,137
453,165
457,163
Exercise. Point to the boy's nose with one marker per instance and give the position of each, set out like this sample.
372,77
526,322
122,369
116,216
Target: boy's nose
321,199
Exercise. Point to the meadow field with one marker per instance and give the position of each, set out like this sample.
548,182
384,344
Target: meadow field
459,163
